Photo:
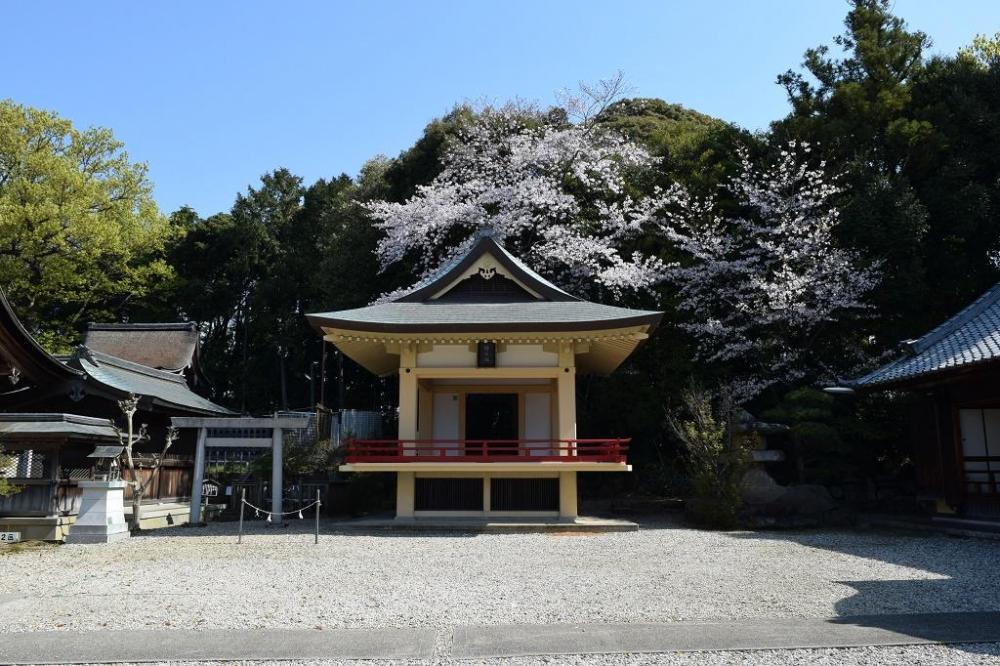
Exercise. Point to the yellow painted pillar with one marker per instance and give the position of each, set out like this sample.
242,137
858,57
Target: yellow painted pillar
407,426
407,393
404,495
566,395
425,409
567,496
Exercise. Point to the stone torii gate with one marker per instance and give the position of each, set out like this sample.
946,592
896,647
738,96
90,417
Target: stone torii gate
244,432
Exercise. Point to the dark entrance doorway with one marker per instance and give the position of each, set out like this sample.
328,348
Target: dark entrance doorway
491,416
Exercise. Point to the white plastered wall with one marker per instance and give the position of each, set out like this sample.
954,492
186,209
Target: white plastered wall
446,422
538,421
508,356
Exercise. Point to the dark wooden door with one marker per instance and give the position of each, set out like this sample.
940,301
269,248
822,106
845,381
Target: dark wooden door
491,416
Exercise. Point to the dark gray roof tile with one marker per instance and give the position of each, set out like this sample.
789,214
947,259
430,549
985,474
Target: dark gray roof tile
970,337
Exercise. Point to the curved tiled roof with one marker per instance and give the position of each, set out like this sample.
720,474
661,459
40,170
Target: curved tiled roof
166,388
969,338
56,425
164,346
417,310
92,370
483,317
20,351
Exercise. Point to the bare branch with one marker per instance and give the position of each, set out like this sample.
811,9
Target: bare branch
589,100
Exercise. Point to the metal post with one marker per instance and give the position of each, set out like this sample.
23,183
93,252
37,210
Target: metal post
313,367
322,374
243,503
317,516
198,477
340,380
276,483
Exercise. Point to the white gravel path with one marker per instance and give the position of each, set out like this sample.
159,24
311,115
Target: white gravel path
976,654
190,578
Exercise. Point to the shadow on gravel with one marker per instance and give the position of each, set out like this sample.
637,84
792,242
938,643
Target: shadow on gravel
956,600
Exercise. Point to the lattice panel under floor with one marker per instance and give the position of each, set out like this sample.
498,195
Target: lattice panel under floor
22,465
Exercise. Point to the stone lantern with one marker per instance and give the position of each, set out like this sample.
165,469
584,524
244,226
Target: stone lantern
102,506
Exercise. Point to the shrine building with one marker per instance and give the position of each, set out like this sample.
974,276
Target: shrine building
487,352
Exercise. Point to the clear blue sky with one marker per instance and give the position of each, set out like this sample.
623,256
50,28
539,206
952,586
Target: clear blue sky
213,94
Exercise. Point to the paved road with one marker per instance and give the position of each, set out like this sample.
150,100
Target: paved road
60,647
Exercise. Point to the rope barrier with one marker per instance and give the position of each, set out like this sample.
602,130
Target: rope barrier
299,511
257,511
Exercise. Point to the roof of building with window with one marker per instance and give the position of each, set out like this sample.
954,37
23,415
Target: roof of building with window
964,342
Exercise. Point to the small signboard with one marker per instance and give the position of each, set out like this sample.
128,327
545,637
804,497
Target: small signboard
486,355
10,537
210,489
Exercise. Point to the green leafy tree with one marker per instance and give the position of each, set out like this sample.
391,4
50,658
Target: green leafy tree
250,276
856,109
80,235
821,454
696,149
954,175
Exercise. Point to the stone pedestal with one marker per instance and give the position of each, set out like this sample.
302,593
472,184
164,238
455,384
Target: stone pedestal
102,513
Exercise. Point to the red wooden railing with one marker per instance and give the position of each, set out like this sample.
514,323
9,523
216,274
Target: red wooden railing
487,450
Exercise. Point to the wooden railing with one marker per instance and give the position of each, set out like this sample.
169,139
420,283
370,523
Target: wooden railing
487,450
990,485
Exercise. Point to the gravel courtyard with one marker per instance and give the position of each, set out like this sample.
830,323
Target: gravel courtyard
190,578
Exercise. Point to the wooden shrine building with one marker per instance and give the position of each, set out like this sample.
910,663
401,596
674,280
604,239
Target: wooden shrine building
954,373
55,410
487,353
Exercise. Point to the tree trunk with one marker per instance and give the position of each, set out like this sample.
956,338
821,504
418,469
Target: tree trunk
136,521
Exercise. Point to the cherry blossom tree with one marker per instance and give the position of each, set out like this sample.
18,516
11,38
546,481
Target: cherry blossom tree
556,192
762,286
756,289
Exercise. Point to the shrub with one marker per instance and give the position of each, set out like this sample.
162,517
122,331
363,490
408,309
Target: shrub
716,462
6,487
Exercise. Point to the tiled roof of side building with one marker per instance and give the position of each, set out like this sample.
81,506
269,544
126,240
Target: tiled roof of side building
171,346
969,338
56,425
164,387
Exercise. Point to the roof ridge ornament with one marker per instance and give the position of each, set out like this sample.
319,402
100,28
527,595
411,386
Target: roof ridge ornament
82,352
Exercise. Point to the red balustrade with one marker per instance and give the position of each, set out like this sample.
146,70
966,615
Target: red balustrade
487,450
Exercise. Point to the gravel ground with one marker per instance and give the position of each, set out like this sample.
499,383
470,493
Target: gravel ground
974,654
190,578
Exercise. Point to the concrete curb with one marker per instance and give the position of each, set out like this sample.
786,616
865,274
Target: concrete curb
73,647
758,634
63,647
